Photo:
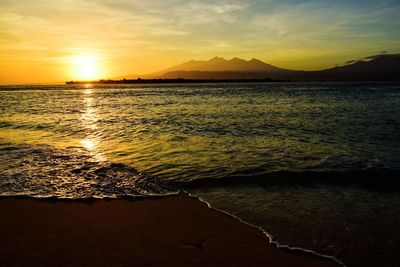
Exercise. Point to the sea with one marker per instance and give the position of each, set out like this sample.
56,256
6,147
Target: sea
314,165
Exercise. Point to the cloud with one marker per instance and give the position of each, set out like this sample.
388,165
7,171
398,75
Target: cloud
220,9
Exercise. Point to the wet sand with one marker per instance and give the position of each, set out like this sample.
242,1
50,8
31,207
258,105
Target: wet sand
168,231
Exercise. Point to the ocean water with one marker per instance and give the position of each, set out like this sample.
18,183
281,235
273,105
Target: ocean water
313,164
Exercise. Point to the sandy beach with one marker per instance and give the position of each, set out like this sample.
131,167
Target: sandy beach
168,231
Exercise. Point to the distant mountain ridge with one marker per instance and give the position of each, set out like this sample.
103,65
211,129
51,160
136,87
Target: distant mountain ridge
377,67
221,64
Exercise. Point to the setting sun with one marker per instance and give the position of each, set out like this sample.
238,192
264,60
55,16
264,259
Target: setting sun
86,67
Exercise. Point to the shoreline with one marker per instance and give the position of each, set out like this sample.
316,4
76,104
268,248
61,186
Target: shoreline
272,241
160,231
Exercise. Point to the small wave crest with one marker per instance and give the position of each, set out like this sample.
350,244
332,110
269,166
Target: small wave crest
43,171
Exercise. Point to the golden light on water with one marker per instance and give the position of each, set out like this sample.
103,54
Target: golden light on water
86,67
89,119
89,144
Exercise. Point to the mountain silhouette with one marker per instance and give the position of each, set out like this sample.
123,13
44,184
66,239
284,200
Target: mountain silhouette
221,64
377,67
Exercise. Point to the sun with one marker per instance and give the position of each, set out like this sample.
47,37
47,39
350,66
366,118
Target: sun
86,67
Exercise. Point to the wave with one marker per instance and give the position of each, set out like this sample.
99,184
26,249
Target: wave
43,171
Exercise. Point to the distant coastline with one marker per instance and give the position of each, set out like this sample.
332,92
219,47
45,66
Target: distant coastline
178,80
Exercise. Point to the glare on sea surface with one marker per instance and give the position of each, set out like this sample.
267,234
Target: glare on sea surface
89,119
86,67
89,144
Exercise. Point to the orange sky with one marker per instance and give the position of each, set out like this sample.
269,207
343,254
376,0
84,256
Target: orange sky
54,41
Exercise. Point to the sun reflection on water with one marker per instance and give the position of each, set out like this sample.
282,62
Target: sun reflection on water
89,144
89,119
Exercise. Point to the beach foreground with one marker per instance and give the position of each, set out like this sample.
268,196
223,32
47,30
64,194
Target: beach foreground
167,231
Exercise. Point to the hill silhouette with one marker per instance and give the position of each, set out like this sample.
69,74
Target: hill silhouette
383,67
378,67
221,64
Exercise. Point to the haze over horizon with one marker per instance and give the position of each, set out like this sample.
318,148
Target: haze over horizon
49,41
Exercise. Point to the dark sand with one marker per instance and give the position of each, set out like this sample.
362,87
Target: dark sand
169,231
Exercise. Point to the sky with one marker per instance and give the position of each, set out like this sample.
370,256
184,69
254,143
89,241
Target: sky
53,41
